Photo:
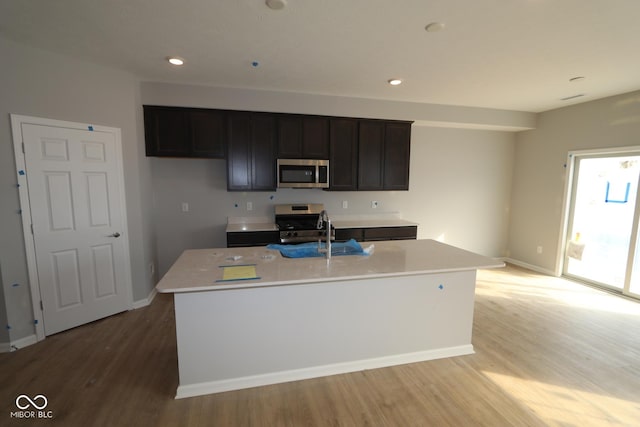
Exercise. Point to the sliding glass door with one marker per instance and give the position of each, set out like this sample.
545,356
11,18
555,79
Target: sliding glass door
601,233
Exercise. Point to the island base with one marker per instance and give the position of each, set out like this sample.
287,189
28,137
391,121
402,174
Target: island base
239,338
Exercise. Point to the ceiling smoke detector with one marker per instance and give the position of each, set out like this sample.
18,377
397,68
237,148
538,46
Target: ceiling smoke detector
276,4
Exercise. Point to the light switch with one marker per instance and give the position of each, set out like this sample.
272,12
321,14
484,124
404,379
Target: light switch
185,207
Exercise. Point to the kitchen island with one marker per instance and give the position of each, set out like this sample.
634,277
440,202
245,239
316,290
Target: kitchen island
407,301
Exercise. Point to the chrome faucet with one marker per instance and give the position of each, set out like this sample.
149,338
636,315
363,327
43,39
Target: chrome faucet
324,220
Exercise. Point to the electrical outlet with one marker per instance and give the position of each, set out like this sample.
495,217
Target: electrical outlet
374,204
345,204
539,249
249,206
185,207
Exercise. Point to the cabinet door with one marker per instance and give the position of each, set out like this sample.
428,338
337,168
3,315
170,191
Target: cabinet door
396,156
263,152
289,137
315,137
343,160
371,155
239,151
303,137
166,131
207,131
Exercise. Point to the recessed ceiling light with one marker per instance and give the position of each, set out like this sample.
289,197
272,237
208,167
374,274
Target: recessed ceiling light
395,82
434,27
276,4
174,60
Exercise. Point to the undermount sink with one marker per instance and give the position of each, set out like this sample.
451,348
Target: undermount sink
310,250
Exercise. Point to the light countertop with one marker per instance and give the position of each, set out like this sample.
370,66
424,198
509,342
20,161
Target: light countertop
239,224
200,269
253,226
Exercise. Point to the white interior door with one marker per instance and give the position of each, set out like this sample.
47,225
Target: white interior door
77,215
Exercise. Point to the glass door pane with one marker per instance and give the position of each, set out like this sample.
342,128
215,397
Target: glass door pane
601,219
634,285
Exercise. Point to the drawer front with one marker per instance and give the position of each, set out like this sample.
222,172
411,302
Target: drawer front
390,233
344,234
252,238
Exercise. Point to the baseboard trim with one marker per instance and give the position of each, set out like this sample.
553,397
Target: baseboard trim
532,267
210,387
145,301
7,347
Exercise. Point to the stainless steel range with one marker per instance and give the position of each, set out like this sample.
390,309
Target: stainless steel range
299,223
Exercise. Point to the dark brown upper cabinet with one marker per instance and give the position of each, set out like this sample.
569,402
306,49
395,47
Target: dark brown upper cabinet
370,155
251,149
315,137
184,132
383,155
397,148
343,159
303,137
364,154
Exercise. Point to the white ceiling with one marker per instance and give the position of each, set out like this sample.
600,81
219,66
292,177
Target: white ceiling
504,54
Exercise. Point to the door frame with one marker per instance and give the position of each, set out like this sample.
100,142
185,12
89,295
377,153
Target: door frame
566,208
17,121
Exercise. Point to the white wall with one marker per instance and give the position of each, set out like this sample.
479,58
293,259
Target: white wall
43,84
460,182
539,174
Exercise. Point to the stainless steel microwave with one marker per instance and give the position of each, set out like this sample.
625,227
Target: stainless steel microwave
303,173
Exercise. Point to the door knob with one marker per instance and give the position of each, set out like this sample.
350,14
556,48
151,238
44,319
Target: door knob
116,235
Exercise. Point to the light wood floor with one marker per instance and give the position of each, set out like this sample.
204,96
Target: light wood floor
548,352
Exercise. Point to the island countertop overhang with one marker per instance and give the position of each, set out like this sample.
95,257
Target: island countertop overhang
198,270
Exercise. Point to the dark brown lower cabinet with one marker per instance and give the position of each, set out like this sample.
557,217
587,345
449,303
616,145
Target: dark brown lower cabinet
344,234
377,233
263,238
252,238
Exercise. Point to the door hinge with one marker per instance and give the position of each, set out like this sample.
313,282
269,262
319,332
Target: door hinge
41,306
23,148
31,228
